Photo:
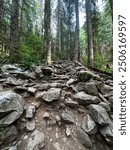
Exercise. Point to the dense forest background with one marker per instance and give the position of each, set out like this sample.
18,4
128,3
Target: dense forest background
39,31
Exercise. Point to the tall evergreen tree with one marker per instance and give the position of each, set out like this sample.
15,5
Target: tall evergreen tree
89,34
14,31
47,31
77,42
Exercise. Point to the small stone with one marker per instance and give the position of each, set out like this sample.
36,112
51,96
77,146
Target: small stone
52,95
32,90
30,112
67,131
39,95
67,118
13,148
46,115
70,103
30,125
57,118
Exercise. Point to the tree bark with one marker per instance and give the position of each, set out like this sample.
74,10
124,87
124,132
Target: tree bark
1,16
14,31
47,31
77,42
59,30
90,35
111,5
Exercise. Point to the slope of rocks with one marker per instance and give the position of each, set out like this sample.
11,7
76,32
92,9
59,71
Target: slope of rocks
64,106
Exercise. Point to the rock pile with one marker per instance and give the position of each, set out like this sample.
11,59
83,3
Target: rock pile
64,106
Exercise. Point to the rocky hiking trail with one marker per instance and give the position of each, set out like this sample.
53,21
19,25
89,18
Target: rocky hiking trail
64,106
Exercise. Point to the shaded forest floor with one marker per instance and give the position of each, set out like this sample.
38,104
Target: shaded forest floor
65,107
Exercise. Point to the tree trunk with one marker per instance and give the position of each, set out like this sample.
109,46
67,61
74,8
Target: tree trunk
1,16
14,31
47,31
59,30
111,5
77,43
90,34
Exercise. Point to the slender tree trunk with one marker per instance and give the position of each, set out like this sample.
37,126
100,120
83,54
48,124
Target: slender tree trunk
90,34
47,31
69,30
1,16
77,43
111,5
59,30
14,31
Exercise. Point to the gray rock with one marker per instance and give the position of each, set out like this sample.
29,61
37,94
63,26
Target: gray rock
32,90
47,71
105,106
107,132
30,112
20,88
13,148
46,115
71,81
30,125
39,95
12,81
84,76
38,72
99,115
67,131
84,98
9,134
37,139
70,103
104,88
88,125
57,118
10,68
11,107
25,75
52,95
67,118
44,87
84,138
90,88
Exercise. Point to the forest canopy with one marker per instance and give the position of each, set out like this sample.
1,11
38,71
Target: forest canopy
41,31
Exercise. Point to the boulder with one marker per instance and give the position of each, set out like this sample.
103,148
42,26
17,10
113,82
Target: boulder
84,98
99,115
90,88
107,132
88,125
9,134
84,76
37,140
10,68
52,95
84,138
11,107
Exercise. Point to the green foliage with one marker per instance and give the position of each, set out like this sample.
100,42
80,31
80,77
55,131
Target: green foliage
101,62
32,50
